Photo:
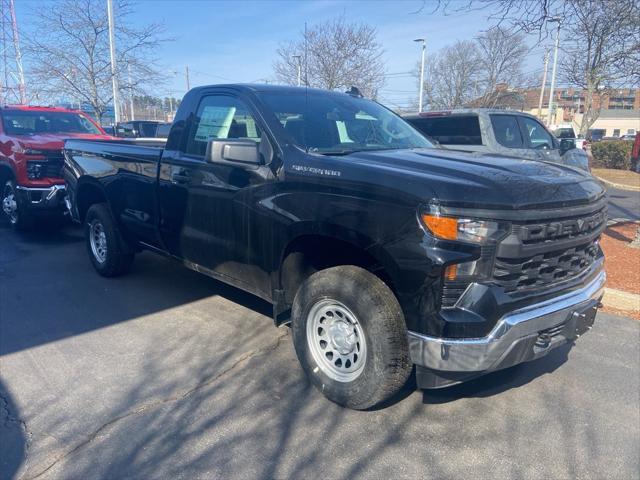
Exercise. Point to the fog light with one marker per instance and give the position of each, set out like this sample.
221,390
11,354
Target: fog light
460,270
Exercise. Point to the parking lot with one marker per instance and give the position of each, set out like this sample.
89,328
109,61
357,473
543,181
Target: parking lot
168,374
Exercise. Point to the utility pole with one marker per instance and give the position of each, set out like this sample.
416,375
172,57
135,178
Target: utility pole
16,47
299,59
424,47
112,51
133,114
544,82
553,71
186,70
12,84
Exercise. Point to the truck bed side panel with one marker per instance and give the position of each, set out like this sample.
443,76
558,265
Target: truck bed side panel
127,174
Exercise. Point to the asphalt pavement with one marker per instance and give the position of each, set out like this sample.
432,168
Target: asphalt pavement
166,373
623,204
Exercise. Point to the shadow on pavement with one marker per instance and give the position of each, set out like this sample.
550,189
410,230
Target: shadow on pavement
50,290
13,441
498,382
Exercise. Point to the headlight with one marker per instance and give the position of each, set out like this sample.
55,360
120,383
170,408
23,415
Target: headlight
485,233
463,229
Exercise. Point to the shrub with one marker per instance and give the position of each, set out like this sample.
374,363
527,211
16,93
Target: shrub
612,154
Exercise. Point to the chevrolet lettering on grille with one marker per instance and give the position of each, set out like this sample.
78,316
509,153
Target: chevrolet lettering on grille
565,228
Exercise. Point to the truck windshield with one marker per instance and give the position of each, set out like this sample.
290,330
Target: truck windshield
339,124
25,122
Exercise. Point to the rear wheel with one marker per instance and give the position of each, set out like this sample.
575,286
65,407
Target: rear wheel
12,208
350,337
105,245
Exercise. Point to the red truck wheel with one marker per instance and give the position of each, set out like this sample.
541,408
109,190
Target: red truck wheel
15,213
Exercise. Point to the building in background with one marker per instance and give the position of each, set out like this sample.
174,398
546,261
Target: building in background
619,114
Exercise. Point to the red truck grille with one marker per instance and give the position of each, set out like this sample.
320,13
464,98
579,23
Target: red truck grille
49,167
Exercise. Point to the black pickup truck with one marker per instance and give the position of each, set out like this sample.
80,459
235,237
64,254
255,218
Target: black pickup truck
380,250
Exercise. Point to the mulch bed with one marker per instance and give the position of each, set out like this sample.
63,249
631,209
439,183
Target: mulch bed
622,261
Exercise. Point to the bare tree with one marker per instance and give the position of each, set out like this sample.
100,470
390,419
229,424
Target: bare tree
69,55
602,51
601,39
335,54
500,58
451,76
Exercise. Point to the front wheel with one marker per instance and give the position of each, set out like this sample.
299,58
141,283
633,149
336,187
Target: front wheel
350,337
105,244
14,211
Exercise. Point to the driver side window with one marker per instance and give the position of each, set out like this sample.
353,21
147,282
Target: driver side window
220,117
538,135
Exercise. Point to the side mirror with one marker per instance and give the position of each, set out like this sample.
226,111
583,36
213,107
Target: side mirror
233,151
566,144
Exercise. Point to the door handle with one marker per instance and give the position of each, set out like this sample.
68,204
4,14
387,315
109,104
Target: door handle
180,177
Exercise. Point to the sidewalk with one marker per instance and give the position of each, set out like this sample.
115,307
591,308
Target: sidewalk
624,179
622,263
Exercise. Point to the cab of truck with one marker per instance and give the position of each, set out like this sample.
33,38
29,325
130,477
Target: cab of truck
31,160
496,131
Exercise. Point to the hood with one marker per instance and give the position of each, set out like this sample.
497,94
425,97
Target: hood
55,141
479,180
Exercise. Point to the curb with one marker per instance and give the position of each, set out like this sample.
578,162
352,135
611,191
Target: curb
616,221
621,300
621,186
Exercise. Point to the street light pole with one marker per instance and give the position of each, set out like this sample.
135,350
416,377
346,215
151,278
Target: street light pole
553,71
299,58
112,51
544,82
133,115
424,47
186,72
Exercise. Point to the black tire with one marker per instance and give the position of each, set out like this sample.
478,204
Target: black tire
387,365
117,259
19,218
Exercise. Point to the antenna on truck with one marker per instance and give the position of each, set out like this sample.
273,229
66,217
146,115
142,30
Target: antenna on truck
306,92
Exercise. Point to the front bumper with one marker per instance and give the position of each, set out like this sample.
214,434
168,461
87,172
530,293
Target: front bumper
42,198
519,336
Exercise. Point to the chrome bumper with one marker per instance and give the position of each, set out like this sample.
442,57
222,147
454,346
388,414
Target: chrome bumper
522,335
47,197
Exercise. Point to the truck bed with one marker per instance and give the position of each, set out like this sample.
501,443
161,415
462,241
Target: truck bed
133,150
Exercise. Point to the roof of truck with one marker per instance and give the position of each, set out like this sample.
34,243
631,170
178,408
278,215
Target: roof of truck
464,111
271,88
38,108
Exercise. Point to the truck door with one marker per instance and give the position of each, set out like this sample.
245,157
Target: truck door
539,139
205,207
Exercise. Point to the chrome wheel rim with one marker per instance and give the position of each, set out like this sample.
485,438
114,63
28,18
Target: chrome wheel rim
98,241
336,340
9,203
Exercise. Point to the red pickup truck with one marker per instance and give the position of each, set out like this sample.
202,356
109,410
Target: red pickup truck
31,160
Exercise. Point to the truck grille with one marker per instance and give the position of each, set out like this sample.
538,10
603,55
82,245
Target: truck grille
544,268
536,255
49,167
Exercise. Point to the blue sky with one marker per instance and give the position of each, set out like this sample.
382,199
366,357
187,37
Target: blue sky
236,41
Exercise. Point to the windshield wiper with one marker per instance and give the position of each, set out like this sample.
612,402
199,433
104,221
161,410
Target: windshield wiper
347,152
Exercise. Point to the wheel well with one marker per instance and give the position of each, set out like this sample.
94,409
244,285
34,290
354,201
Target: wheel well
5,173
311,253
86,196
